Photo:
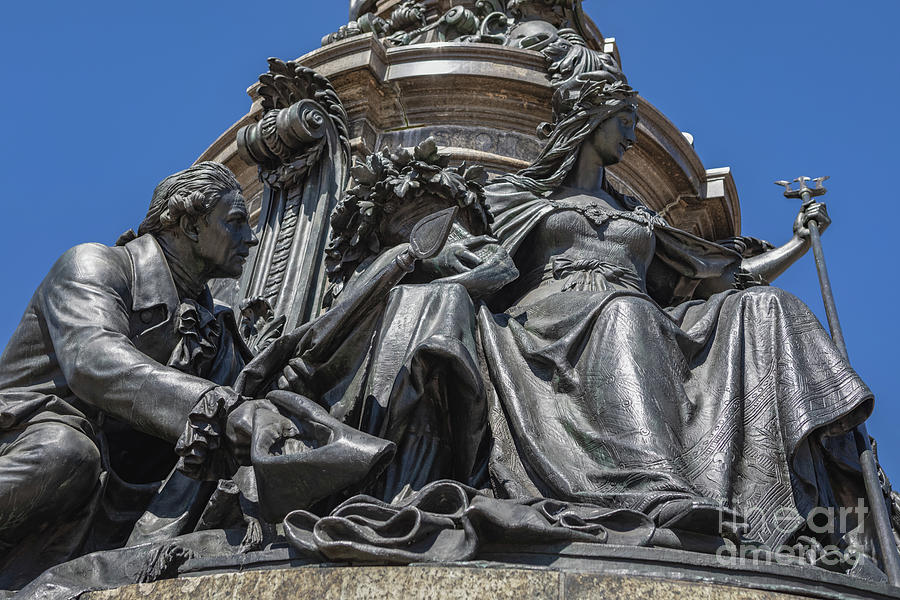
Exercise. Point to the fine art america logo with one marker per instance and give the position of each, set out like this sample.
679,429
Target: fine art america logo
820,523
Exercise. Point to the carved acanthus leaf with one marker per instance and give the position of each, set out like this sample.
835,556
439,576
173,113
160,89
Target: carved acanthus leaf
289,82
409,14
301,106
290,175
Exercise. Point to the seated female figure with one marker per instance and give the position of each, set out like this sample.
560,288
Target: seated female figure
641,367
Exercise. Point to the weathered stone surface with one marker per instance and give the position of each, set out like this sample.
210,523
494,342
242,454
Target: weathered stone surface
427,583
607,587
496,150
351,583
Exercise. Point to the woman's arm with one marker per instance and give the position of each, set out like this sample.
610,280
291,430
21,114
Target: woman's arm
769,265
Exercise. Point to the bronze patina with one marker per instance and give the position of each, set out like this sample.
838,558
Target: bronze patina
449,347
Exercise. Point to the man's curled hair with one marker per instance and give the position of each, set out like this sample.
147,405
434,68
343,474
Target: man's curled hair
193,192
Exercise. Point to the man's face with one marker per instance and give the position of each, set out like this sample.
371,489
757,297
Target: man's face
224,237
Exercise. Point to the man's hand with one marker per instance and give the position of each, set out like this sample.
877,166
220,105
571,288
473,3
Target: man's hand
272,429
481,274
814,211
265,417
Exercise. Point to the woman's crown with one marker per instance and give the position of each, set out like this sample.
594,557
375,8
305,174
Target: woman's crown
584,79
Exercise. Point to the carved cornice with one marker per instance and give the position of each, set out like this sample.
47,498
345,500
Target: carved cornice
406,22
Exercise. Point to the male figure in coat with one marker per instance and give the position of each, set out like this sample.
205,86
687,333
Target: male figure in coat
120,353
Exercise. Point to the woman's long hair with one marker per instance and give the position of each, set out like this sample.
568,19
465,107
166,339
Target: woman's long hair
560,153
583,109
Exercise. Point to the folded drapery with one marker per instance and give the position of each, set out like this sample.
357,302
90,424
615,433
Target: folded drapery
448,521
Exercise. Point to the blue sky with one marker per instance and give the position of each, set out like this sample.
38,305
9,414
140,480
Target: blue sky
102,99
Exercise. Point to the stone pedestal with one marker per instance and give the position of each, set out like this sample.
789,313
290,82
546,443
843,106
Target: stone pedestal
568,571
481,102
439,582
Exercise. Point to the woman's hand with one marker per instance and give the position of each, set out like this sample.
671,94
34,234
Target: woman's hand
814,211
481,274
772,263
457,257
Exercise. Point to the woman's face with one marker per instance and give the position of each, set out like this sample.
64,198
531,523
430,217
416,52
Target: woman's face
614,136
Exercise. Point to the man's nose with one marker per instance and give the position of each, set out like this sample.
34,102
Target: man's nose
253,240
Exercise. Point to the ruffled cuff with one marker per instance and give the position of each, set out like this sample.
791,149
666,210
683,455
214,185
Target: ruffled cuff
198,445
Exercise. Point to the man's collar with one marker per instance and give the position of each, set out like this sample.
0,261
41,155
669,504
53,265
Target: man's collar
153,284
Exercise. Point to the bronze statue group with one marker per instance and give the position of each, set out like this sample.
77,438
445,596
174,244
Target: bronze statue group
552,361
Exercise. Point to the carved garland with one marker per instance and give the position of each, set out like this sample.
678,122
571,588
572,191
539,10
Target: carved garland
394,188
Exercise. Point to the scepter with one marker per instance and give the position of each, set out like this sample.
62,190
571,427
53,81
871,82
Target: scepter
883,530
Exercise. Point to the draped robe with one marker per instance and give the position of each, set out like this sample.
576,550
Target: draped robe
627,395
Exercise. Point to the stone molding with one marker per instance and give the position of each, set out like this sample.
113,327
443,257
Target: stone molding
498,582
405,92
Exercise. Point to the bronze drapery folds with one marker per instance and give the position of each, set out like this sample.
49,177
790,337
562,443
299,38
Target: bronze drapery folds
437,361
